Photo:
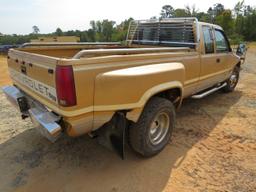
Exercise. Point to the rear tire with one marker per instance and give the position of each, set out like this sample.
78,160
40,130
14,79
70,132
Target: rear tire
232,81
154,128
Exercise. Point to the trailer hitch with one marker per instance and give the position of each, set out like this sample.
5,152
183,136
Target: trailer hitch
113,134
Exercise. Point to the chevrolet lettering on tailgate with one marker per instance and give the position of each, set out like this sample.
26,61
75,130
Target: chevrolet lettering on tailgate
38,87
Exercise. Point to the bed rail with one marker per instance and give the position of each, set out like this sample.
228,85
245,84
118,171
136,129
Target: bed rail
35,44
100,52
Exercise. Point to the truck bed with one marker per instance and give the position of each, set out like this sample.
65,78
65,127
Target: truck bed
78,50
39,62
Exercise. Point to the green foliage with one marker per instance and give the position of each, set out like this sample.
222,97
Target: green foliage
249,30
204,17
238,27
180,13
226,21
167,11
239,7
103,30
58,32
191,11
235,39
218,9
15,39
36,30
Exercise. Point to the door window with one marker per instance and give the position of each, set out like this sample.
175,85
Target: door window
208,40
221,42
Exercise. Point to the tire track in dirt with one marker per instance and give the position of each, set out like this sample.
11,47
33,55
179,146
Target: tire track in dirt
222,160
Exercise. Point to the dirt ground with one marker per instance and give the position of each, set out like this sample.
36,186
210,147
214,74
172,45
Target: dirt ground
213,149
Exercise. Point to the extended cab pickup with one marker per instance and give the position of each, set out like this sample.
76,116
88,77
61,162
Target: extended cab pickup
120,90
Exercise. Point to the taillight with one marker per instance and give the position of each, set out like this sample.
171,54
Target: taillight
65,86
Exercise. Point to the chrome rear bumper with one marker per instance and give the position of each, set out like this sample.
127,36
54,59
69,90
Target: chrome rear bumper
44,120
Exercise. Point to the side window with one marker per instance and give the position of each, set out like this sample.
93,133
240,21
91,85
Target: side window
208,40
221,42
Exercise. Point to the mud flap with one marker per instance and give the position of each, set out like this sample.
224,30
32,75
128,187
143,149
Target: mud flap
112,135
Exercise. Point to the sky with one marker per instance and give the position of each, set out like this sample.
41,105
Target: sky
18,16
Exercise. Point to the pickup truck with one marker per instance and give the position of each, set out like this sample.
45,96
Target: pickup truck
122,91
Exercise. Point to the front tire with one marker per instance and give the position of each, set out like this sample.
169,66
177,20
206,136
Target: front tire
154,128
232,81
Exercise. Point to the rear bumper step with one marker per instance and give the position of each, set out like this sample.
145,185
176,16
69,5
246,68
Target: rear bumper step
44,120
206,93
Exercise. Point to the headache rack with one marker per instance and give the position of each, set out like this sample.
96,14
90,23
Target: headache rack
174,32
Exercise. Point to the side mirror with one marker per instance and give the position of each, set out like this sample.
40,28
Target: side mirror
241,49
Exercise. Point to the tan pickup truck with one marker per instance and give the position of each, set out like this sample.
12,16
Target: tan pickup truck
121,91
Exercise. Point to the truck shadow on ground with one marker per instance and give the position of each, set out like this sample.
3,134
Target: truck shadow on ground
28,162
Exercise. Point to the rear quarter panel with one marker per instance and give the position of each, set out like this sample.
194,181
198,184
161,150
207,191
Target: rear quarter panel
131,88
125,88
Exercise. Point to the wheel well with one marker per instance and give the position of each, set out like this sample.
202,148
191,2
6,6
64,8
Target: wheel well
173,95
238,65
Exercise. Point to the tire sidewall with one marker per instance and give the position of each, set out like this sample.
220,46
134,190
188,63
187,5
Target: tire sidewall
165,141
236,72
228,87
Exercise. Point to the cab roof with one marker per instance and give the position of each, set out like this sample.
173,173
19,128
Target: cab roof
210,25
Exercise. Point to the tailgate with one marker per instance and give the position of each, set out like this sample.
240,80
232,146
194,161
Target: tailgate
34,74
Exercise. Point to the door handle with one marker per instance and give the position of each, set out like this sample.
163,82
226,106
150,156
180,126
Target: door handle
218,60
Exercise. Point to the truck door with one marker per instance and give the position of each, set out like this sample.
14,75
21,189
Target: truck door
212,63
223,52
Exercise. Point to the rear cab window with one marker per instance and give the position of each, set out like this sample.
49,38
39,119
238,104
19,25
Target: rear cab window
163,33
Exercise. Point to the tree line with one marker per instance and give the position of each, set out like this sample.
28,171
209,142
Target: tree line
239,23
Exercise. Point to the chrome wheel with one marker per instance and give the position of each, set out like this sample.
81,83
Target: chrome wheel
233,79
159,128
152,132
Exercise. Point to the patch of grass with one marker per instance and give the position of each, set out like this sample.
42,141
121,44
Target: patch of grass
252,44
5,79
